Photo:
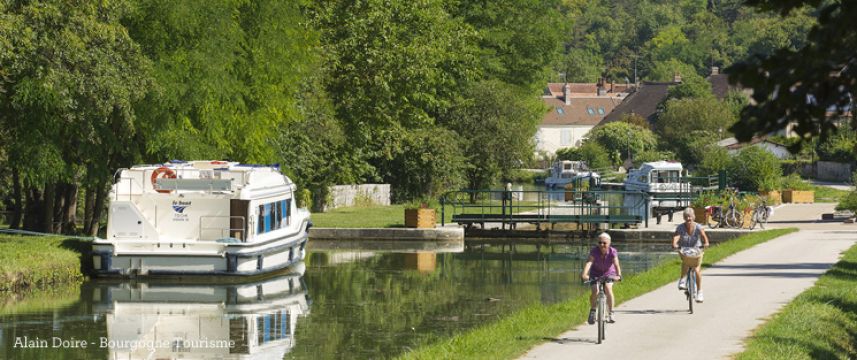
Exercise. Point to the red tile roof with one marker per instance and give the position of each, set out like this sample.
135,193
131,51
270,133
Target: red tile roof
582,111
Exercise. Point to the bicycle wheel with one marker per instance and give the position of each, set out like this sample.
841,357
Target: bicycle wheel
691,289
602,305
763,218
734,219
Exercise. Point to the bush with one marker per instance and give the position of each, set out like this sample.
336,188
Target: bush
594,154
849,202
713,161
838,147
794,182
755,169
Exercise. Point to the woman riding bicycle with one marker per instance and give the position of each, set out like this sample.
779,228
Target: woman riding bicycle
690,235
603,261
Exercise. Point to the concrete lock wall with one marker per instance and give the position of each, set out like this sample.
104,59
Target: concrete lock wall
363,194
833,171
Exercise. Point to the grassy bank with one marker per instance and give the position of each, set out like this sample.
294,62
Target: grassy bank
37,261
511,336
821,323
827,194
39,300
392,215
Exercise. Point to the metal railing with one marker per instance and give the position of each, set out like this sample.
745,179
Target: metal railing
544,206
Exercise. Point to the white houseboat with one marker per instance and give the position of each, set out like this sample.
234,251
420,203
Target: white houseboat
181,320
201,218
564,172
662,184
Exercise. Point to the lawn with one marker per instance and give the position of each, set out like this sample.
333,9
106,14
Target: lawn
821,323
38,261
393,215
824,194
513,335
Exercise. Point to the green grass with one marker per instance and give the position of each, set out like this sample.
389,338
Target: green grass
821,323
391,216
37,261
513,335
826,194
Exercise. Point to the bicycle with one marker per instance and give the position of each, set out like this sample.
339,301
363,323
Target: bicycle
601,303
690,279
732,218
760,216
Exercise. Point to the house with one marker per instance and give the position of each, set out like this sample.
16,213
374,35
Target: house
733,146
573,110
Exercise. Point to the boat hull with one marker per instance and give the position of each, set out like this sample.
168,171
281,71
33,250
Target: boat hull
110,259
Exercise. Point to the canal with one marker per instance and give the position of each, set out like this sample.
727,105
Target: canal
340,304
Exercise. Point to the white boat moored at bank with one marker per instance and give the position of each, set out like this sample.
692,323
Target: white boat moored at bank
201,218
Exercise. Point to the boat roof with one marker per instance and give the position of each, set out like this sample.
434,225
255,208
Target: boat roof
218,176
662,165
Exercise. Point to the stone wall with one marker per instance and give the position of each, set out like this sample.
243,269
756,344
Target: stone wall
364,194
833,171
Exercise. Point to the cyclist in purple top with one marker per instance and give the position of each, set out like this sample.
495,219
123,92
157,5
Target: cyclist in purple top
603,261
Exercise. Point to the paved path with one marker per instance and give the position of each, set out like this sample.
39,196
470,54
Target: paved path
740,292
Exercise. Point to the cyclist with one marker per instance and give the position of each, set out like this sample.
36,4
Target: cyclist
690,235
603,261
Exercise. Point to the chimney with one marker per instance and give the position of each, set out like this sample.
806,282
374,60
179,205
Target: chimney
566,93
600,91
677,78
715,70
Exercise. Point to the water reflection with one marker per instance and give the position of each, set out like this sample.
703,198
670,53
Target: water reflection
161,320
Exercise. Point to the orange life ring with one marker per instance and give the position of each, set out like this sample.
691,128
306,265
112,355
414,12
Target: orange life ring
162,173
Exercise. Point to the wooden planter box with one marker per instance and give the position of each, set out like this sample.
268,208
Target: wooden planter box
420,218
798,196
747,220
773,197
701,216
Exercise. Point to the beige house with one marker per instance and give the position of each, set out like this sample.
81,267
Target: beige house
573,110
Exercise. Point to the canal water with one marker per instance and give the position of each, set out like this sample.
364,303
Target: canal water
343,304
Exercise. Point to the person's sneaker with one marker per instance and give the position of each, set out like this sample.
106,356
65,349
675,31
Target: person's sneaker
682,284
699,297
610,318
591,319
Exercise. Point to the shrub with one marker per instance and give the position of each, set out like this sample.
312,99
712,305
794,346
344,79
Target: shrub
755,169
849,202
595,155
794,182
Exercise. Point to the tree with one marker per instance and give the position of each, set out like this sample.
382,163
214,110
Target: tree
70,79
802,85
496,125
685,121
622,137
755,169
595,155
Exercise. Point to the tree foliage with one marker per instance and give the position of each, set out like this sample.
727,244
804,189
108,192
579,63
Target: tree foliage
755,169
620,138
802,84
687,125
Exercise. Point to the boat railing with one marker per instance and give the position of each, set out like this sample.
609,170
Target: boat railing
223,232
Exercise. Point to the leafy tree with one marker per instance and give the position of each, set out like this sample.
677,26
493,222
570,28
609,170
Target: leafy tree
423,162
841,146
70,77
227,75
686,120
755,169
714,160
497,126
635,120
801,85
693,86
622,137
595,155
667,69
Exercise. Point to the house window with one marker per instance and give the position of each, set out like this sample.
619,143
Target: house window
601,110
590,111
565,137
560,111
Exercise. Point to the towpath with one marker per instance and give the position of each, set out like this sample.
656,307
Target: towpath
741,292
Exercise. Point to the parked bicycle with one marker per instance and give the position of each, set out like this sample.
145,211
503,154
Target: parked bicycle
601,303
731,217
761,213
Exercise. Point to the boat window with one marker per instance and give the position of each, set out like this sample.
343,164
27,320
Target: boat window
278,214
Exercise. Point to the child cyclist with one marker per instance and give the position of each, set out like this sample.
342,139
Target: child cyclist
603,261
